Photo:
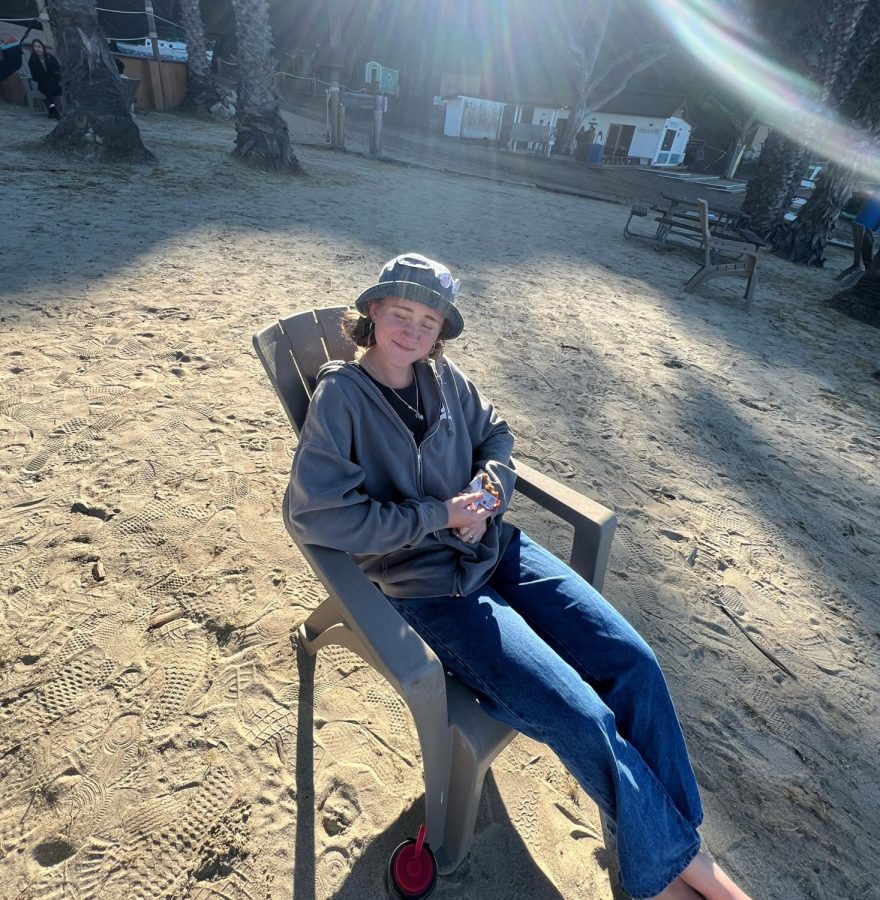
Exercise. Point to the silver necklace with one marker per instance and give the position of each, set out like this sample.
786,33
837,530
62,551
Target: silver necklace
413,409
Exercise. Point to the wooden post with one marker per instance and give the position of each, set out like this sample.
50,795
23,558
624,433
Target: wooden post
333,102
155,64
43,15
341,126
376,126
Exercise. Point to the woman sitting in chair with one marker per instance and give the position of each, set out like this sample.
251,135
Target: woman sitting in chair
404,465
46,71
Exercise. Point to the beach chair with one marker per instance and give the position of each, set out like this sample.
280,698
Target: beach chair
863,249
458,740
35,100
744,267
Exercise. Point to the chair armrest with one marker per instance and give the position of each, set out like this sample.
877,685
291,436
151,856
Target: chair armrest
721,243
593,523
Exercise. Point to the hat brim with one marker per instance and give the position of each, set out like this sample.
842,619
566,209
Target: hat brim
411,290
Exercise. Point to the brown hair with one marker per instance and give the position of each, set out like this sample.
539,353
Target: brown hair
359,330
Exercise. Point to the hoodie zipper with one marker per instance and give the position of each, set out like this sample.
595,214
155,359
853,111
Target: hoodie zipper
392,414
456,575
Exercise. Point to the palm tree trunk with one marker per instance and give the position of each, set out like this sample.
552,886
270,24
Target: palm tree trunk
769,193
97,122
262,138
767,198
201,93
805,239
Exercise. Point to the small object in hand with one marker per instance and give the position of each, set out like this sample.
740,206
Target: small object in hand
489,497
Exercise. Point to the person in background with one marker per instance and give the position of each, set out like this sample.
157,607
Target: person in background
46,71
405,465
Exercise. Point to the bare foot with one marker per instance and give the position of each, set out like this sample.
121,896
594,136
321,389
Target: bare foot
678,890
709,880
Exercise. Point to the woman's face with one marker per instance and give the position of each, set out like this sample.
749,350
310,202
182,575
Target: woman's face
38,48
405,330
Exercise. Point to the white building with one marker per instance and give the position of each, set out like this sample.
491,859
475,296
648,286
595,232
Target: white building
642,128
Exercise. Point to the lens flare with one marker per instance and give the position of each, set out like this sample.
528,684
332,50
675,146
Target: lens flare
784,99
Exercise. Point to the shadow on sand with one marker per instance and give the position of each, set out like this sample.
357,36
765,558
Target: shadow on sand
496,838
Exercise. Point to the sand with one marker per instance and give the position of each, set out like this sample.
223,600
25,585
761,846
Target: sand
155,740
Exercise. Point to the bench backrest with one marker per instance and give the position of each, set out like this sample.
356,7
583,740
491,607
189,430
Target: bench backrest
308,339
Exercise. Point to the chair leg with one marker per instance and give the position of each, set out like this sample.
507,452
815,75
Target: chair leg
699,277
752,285
476,739
436,744
316,626
465,789
858,237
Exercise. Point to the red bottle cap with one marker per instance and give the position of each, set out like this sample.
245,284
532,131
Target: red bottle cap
414,866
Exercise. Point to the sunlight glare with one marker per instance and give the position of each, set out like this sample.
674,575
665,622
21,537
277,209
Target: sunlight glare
782,98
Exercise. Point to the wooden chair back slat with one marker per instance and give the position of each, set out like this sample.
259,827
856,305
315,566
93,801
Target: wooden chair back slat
293,350
273,349
306,339
338,345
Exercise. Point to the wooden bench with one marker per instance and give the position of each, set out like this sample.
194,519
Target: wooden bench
743,266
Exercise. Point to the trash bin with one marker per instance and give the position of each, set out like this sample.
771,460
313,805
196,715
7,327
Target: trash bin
594,154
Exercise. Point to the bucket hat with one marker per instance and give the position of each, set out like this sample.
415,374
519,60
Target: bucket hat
415,277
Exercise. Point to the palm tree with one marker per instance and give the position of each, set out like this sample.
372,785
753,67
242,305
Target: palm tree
262,138
201,92
858,80
97,121
770,192
826,29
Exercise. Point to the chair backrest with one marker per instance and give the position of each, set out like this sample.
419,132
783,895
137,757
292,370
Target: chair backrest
293,349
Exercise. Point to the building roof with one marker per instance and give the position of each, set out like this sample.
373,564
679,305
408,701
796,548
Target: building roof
645,103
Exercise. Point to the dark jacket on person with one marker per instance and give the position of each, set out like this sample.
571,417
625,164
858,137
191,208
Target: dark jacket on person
46,73
360,483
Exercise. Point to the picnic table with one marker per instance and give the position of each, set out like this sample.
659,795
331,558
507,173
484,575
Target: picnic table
681,217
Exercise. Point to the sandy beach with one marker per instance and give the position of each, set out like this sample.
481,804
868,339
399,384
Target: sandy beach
155,739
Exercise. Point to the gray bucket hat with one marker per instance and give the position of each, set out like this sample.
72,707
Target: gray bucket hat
415,277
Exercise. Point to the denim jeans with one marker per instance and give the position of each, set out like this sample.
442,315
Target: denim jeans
549,656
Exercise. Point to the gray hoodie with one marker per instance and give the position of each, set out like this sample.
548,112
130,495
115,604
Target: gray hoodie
360,484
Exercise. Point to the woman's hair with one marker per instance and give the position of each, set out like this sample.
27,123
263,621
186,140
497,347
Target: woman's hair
359,329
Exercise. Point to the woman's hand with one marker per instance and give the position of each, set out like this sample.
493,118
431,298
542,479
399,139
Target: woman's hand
460,515
473,534
468,524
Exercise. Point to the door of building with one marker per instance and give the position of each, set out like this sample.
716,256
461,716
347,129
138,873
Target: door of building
618,140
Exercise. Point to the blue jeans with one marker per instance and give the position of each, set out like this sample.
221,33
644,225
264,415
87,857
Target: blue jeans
549,656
